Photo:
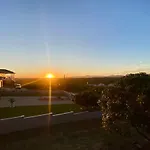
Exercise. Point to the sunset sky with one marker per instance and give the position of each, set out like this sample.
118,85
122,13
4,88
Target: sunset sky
74,37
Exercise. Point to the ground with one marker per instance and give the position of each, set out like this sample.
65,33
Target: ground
26,92
82,135
36,110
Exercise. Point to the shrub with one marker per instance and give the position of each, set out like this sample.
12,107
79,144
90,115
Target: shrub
128,101
88,99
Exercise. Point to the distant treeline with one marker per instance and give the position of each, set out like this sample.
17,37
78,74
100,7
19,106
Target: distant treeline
68,84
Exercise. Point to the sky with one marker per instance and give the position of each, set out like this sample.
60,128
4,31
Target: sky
74,37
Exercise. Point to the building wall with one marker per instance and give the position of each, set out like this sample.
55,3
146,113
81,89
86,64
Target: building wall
1,83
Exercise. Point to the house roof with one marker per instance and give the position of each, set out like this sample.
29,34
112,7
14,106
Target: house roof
5,71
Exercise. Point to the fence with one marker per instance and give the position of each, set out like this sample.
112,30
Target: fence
21,123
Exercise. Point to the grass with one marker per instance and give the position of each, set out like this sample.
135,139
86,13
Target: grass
36,110
81,135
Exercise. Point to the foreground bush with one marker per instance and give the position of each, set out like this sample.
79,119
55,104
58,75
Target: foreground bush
88,99
127,102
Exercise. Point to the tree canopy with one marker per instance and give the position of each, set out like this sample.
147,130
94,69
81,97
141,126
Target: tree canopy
89,98
127,101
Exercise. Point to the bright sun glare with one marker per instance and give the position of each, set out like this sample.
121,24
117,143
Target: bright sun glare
49,76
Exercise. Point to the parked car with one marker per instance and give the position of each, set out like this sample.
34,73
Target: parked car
17,86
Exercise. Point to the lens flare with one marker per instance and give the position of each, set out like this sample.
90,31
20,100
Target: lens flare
31,82
50,76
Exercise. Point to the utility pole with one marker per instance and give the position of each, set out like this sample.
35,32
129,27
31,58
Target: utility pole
64,82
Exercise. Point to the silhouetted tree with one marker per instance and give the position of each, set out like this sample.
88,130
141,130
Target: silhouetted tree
89,98
127,102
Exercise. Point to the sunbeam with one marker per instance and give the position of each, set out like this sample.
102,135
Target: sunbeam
43,23
31,82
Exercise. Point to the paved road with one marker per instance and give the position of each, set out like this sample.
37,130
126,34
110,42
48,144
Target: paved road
32,101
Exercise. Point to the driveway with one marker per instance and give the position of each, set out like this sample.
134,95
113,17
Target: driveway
33,101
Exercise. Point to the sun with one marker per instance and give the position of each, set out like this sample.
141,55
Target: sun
50,76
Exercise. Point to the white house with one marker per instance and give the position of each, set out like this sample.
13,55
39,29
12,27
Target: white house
4,75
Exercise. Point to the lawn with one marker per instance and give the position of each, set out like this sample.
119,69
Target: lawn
36,110
81,135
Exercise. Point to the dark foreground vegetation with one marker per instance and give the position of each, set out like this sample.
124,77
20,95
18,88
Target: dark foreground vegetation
124,105
82,135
